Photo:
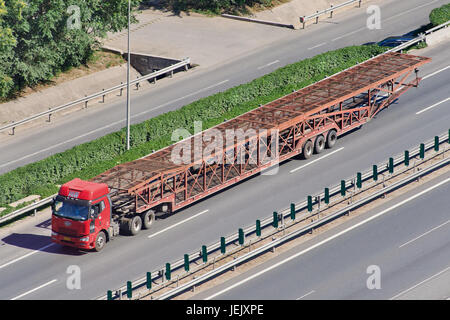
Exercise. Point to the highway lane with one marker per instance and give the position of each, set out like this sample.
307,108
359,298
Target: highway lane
406,247
347,28
124,259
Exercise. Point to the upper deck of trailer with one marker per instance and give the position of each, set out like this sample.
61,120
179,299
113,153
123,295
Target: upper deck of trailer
277,114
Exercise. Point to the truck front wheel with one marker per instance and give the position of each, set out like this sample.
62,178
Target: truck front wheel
100,241
135,225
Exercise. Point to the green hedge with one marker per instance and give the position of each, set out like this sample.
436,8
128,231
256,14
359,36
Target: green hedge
92,158
440,15
216,6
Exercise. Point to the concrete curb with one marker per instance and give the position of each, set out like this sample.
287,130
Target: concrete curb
272,23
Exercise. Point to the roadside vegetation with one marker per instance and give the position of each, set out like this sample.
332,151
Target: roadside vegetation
216,7
440,15
90,159
40,39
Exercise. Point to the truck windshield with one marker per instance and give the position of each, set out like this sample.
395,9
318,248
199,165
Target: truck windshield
71,210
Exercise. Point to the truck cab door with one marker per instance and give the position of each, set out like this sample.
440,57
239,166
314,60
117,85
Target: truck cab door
101,215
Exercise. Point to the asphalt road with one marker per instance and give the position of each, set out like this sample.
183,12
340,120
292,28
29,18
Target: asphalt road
32,268
347,28
399,253
29,262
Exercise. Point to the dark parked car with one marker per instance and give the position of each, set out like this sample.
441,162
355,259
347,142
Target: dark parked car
395,41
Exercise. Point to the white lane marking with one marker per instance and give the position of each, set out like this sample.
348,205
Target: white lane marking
387,19
109,125
319,45
177,224
328,239
181,98
35,289
410,10
435,73
305,295
420,283
25,256
434,105
424,234
268,65
311,162
349,34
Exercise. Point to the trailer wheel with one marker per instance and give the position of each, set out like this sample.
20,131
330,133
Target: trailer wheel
100,241
135,225
307,149
319,144
148,218
331,139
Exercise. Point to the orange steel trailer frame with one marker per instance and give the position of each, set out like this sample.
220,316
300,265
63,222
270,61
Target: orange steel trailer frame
261,137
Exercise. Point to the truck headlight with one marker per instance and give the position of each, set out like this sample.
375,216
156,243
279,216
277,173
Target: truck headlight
85,239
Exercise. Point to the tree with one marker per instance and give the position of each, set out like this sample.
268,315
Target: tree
39,38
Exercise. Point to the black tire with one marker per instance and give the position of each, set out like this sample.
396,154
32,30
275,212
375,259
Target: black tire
100,241
331,139
319,144
307,150
148,218
134,225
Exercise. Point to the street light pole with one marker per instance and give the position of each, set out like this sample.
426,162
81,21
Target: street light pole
128,79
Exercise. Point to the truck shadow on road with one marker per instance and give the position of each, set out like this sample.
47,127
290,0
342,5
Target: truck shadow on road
39,242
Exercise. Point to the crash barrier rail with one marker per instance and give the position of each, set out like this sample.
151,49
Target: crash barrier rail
419,38
32,207
330,10
345,190
292,235
169,70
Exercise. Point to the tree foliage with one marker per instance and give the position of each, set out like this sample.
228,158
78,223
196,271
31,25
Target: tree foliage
440,15
39,38
216,6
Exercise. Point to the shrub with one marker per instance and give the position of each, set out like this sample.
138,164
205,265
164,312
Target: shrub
90,159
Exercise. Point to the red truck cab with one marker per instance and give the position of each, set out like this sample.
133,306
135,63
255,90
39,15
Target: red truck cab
81,215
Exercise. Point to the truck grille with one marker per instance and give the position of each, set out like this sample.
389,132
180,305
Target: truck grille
67,232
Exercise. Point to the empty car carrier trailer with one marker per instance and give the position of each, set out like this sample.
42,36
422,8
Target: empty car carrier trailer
303,122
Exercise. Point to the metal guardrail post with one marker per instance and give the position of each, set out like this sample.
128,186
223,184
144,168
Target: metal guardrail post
275,219
168,272
148,283
241,236
436,143
375,172
186,262
327,196
343,188
204,254
292,211
258,228
129,290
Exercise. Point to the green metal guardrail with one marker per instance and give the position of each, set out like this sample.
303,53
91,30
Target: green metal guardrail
432,146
